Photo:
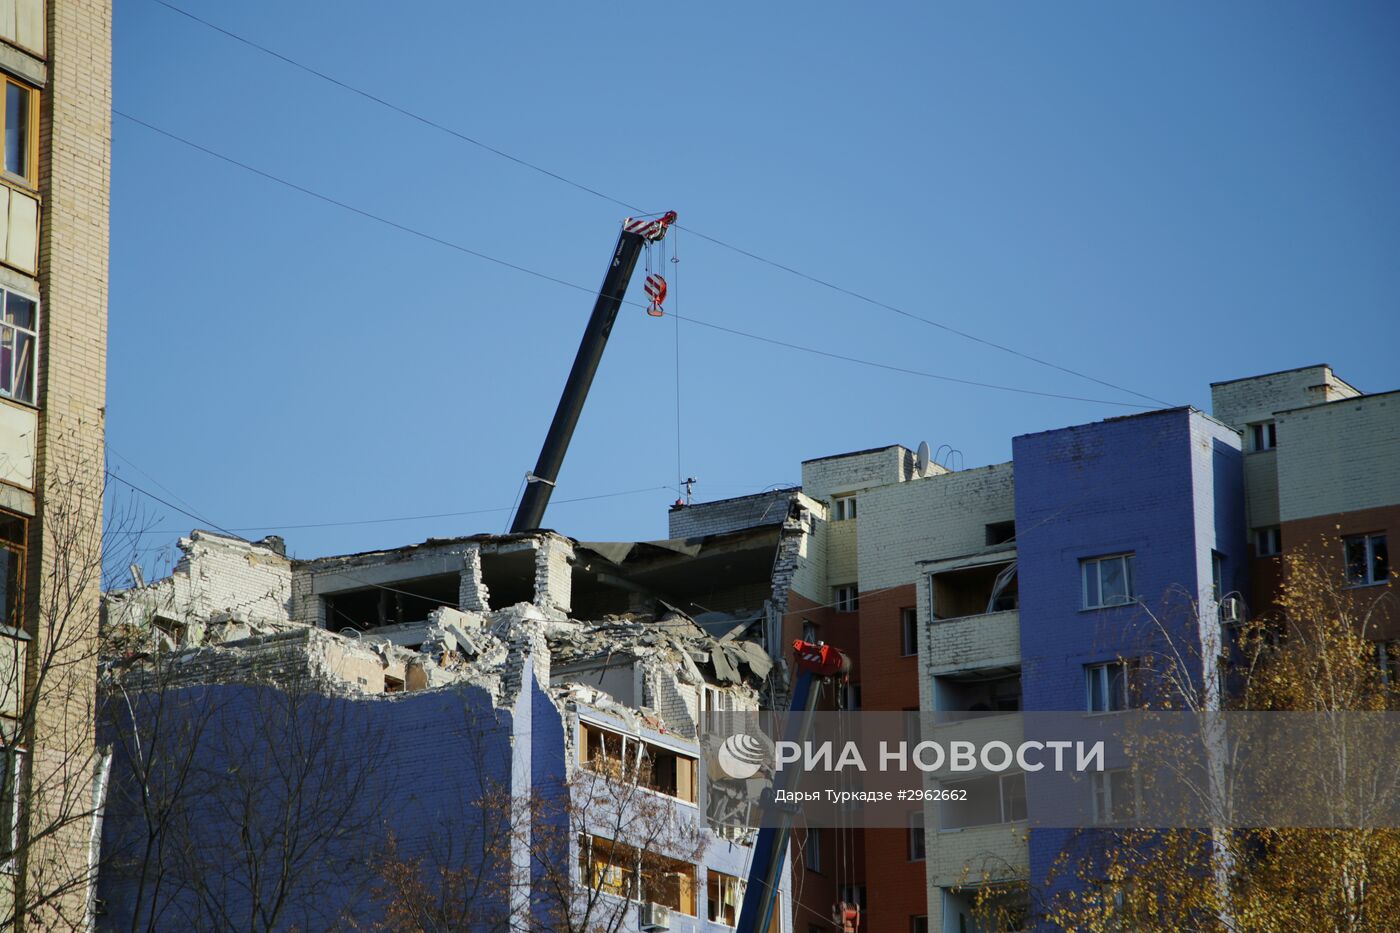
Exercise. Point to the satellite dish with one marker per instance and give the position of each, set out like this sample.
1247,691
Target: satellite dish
921,459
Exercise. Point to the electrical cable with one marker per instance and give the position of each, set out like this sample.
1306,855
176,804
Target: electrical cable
583,288
851,293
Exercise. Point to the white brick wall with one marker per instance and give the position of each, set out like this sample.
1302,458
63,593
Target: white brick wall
940,516
1339,457
1244,401
843,473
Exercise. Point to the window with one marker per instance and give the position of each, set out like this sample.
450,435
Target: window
1388,655
909,631
14,640
1368,560
1108,581
843,508
1268,542
1111,687
810,632
628,758
21,131
19,345
623,871
1217,574
846,598
918,924
1115,796
851,697
992,799
1000,533
812,850
723,895
853,894
10,771
1263,436
916,837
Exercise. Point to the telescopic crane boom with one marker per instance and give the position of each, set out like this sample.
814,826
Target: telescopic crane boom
635,235
816,662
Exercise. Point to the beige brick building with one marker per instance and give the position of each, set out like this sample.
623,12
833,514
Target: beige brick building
55,60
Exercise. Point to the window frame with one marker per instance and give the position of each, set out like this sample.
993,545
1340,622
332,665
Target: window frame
1368,543
12,761
1101,788
33,334
1268,541
30,178
845,598
844,509
1263,435
909,632
1129,570
1102,672
918,837
1004,800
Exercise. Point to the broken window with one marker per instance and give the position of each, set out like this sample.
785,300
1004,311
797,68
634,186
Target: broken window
19,345
985,691
509,576
973,591
392,684
623,871
628,758
394,604
724,896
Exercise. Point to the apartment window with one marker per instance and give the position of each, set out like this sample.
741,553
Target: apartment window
1368,560
620,870
13,541
909,631
19,345
1115,796
10,771
846,598
998,798
1000,533
916,837
918,924
1263,436
853,894
629,759
812,850
1268,542
1388,655
1108,581
723,895
851,697
1217,574
843,508
1111,687
21,106
810,631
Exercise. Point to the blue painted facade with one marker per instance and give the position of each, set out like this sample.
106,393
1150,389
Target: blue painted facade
1166,487
434,754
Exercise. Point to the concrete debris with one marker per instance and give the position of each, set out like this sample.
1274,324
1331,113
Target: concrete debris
420,618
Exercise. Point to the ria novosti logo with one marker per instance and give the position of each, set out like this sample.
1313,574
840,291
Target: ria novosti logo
741,756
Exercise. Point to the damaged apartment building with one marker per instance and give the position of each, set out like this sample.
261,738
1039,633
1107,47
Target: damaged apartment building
447,687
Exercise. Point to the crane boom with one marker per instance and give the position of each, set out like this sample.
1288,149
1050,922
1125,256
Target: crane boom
815,661
635,235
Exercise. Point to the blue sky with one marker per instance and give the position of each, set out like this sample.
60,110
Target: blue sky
1159,195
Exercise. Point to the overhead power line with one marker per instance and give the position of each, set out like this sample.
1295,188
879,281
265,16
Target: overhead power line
404,228
234,532
535,167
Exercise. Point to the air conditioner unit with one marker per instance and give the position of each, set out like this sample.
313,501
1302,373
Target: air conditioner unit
653,917
1232,609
